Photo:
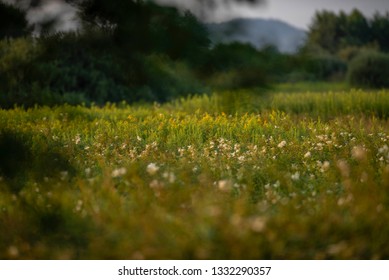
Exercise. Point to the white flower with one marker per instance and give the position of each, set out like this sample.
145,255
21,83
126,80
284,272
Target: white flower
169,176
152,168
258,224
358,153
307,155
343,167
282,144
63,175
295,176
119,172
77,140
383,149
224,185
325,166
156,185
241,159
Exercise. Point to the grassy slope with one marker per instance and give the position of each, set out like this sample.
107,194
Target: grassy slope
289,175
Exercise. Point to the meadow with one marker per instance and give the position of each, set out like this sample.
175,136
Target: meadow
233,175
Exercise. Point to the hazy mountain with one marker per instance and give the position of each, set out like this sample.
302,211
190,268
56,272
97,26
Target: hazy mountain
259,33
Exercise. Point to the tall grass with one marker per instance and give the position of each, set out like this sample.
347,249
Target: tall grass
283,176
315,104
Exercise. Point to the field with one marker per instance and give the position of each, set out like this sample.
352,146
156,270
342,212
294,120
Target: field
234,175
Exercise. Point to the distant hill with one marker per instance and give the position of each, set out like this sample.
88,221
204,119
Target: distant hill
259,33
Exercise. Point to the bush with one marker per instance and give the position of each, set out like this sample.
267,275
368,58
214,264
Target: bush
16,58
162,79
77,68
325,67
237,65
369,69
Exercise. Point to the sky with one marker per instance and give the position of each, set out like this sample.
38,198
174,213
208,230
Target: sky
298,13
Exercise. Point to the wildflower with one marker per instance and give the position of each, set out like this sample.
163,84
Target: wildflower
224,185
214,211
358,153
319,146
169,176
236,220
364,177
77,140
282,144
78,207
343,167
258,224
383,149
325,166
152,168
13,251
241,159
156,185
295,176
119,172
337,248
307,155
379,208
63,175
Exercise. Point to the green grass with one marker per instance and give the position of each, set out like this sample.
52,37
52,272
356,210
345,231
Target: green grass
311,87
228,176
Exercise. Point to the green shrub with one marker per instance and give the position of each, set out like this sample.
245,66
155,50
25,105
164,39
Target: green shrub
325,67
16,60
68,68
162,79
237,65
369,69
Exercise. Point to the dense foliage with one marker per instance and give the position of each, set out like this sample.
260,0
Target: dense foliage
138,51
370,69
333,32
148,54
13,22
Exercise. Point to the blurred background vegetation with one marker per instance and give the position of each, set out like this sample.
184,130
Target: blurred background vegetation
138,51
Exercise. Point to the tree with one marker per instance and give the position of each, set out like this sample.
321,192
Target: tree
13,22
357,30
380,30
138,26
336,32
326,31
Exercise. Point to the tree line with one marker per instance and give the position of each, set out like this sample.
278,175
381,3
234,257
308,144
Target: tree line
138,51
334,32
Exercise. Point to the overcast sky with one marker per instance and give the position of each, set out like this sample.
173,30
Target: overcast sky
296,12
